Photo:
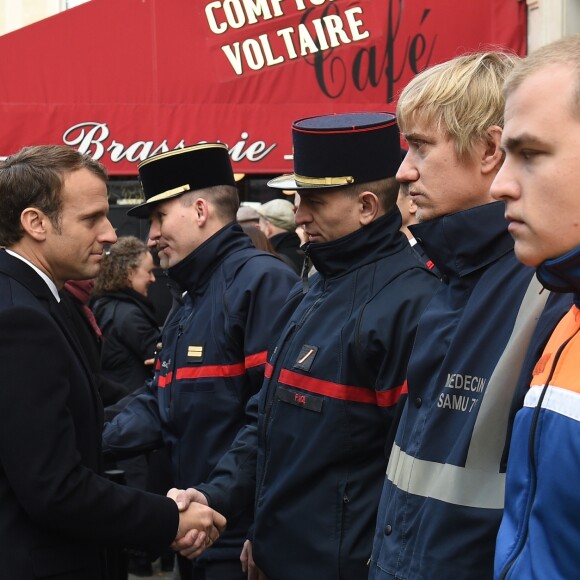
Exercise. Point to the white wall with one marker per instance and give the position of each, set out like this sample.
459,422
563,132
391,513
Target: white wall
15,14
549,20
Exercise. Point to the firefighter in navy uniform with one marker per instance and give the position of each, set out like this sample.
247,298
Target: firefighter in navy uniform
316,458
214,345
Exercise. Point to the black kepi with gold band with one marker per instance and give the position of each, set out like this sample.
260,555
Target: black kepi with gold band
342,149
176,172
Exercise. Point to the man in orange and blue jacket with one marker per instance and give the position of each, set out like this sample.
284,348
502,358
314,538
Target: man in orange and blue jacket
540,531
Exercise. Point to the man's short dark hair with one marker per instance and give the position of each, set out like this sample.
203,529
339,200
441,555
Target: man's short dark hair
224,198
386,190
34,177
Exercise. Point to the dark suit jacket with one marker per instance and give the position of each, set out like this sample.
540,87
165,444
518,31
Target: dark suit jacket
56,513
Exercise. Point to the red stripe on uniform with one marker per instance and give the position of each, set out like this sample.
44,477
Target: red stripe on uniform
215,371
268,371
338,391
255,360
163,381
392,396
211,371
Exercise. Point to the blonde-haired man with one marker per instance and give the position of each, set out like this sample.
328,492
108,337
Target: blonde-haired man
540,530
443,495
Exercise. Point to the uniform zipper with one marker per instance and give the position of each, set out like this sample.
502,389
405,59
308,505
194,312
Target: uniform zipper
274,379
180,330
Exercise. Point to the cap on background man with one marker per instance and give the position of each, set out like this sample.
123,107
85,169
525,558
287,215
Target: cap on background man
277,224
279,213
247,214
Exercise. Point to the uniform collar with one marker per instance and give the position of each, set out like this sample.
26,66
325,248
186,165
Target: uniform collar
363,246
195,270
464,242
562,274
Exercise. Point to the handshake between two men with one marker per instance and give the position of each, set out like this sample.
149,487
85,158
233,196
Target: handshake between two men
192,544
199,525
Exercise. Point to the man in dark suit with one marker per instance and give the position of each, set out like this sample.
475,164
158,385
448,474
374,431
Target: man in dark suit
56,512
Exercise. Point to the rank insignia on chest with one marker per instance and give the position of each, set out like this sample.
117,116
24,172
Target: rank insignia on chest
306,357
194,353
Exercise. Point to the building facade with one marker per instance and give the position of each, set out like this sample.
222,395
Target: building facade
548,20
15,14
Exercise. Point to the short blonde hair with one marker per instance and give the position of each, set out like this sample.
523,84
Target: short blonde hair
565,51
462,96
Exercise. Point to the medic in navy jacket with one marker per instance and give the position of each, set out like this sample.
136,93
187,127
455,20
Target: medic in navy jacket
212,362
326,406
444,491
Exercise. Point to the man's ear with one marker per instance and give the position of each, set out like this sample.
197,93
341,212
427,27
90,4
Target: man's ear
492,157
369,207
35,223
202,210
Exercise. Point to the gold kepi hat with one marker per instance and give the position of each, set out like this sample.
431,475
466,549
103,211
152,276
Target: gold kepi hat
176,172
341,149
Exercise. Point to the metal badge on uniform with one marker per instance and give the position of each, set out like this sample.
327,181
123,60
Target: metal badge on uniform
194,354
306,357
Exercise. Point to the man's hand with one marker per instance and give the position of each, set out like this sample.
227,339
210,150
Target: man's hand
199,528
248,565
183,497
194,543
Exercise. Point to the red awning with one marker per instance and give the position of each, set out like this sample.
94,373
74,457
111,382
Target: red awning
121,79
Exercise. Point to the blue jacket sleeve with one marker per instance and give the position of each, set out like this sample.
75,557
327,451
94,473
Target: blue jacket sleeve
232,484
136,428
386,355
271,282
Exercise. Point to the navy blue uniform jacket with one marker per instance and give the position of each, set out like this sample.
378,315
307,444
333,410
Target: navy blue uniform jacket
444,491
327,404
212,362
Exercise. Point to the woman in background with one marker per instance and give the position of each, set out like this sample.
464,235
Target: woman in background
259,239
124,314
